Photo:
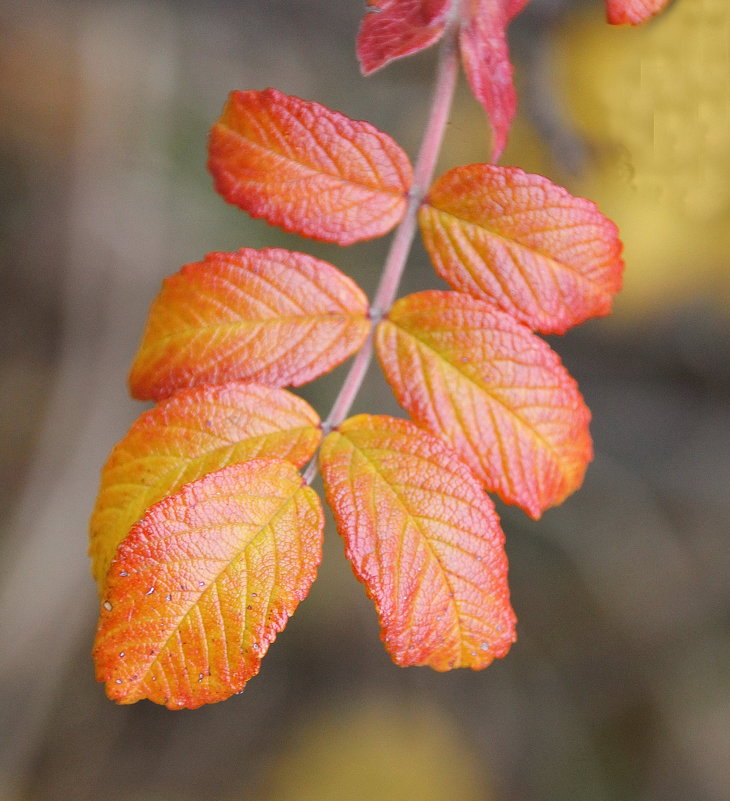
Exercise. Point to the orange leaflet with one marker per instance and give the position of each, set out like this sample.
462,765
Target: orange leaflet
424,539
485,55
395,28
493,390
202,585
632,12
550,259
269,316
305,168
194,432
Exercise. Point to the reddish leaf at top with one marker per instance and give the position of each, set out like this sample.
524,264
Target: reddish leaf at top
395,28
194,432
308,169
203,583
632,12
493,390
550,259
485,54
513,7
424,539
268,316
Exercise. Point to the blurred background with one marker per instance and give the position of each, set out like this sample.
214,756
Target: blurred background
618,688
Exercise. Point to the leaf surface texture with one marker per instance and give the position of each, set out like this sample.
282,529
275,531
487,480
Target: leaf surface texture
194,432
204,582
424,539
550,259
395,28
308,169
496,392
268,316
632,12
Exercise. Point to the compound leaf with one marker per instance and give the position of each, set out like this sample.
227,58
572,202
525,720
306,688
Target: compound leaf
424,539
308,169
203,583
632,12
194,432
268,316
493,390
395,28
550,259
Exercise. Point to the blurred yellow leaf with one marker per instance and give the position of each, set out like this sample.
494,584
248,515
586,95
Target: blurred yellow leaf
654,102
379,752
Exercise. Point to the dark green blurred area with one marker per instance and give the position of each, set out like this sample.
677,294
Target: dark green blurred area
618,688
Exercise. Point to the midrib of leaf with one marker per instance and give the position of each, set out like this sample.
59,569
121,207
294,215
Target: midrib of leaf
458,413
483,388
250,324
417,523
459,245
144,672
257,275
310,170
556,265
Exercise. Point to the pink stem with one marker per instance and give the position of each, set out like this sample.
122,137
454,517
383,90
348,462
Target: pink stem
447,71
